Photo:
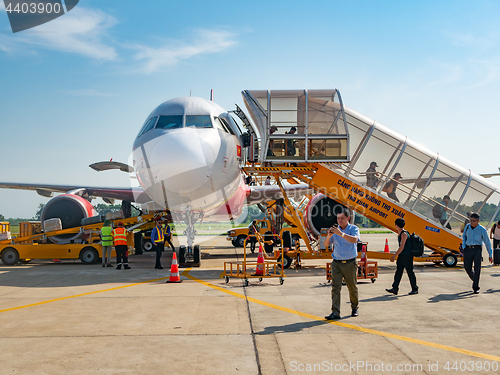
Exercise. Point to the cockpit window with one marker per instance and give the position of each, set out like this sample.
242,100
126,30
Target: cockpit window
169,122
228,127
149,125
220,125
199,121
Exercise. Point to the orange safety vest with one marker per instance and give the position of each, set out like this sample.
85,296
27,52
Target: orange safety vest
120,236
161,236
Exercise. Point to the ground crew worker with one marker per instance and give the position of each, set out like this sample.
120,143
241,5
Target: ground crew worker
168,236
120,240
107,243
158,240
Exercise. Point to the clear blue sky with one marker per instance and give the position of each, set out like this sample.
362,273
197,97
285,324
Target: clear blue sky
76,90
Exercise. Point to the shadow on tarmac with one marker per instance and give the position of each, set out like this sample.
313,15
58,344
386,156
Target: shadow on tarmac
451,297
294,327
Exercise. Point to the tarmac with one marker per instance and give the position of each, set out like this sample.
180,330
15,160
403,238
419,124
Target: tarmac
69,318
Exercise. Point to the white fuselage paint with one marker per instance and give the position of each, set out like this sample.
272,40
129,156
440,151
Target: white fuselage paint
189,166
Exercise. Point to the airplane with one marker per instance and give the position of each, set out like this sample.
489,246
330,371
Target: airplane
187,159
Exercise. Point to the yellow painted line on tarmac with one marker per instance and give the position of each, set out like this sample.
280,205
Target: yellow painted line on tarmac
82,294
345,325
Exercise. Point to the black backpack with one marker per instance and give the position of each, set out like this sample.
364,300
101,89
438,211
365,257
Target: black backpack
436,211
417,245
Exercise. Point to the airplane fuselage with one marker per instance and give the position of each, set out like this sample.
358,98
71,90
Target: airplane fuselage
188,155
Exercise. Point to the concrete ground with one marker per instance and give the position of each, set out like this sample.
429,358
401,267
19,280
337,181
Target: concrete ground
68,318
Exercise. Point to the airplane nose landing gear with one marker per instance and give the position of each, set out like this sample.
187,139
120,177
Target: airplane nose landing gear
191,252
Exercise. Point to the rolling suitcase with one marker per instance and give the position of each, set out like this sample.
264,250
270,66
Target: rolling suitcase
496,256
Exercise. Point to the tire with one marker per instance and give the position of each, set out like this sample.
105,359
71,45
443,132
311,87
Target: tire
287,262
182,254
450,260
235,244
240,241
147,245
89,255
197,254
10,256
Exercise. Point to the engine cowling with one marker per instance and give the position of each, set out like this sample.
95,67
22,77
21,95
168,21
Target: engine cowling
71,209
321,212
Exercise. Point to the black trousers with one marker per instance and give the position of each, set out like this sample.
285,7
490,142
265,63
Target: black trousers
496,243
159,249
472,256
444,221
169,240
121,257
253,241
404,262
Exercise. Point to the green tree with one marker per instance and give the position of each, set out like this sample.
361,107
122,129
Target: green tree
38,214
2,218
103,209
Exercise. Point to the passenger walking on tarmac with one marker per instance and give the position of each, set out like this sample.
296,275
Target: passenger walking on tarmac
158,240
495,235
372,176
268,181
120,240
344,238
107,243
252,229
405,260
390,187
168,237
472,242
466,221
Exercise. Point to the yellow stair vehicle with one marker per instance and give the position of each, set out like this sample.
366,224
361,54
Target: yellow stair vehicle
33,243
309,135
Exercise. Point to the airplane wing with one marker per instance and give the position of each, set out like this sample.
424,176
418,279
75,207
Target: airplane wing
135,194
489,175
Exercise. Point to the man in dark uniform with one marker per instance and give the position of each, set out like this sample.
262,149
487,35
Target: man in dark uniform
158,240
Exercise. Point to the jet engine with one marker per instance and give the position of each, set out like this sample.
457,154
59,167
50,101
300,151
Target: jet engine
71,209
321,212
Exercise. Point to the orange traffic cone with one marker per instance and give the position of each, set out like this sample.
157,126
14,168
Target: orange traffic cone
174,271
386,248
260,263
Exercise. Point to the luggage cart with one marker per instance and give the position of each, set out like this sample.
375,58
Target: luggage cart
272,268
366,269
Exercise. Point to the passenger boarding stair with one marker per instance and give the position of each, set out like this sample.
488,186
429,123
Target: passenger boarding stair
331,182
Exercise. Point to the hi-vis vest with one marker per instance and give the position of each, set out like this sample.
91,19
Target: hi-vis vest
107,236
160,236
120,236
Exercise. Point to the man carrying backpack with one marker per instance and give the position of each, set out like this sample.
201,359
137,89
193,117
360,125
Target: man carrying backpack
405,260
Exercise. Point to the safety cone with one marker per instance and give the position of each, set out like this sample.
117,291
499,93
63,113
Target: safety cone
174,271
386,248
260,263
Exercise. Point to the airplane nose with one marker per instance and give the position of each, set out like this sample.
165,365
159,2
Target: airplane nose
183,160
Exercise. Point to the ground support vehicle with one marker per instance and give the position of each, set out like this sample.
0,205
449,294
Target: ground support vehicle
272,268
34,244
237,236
